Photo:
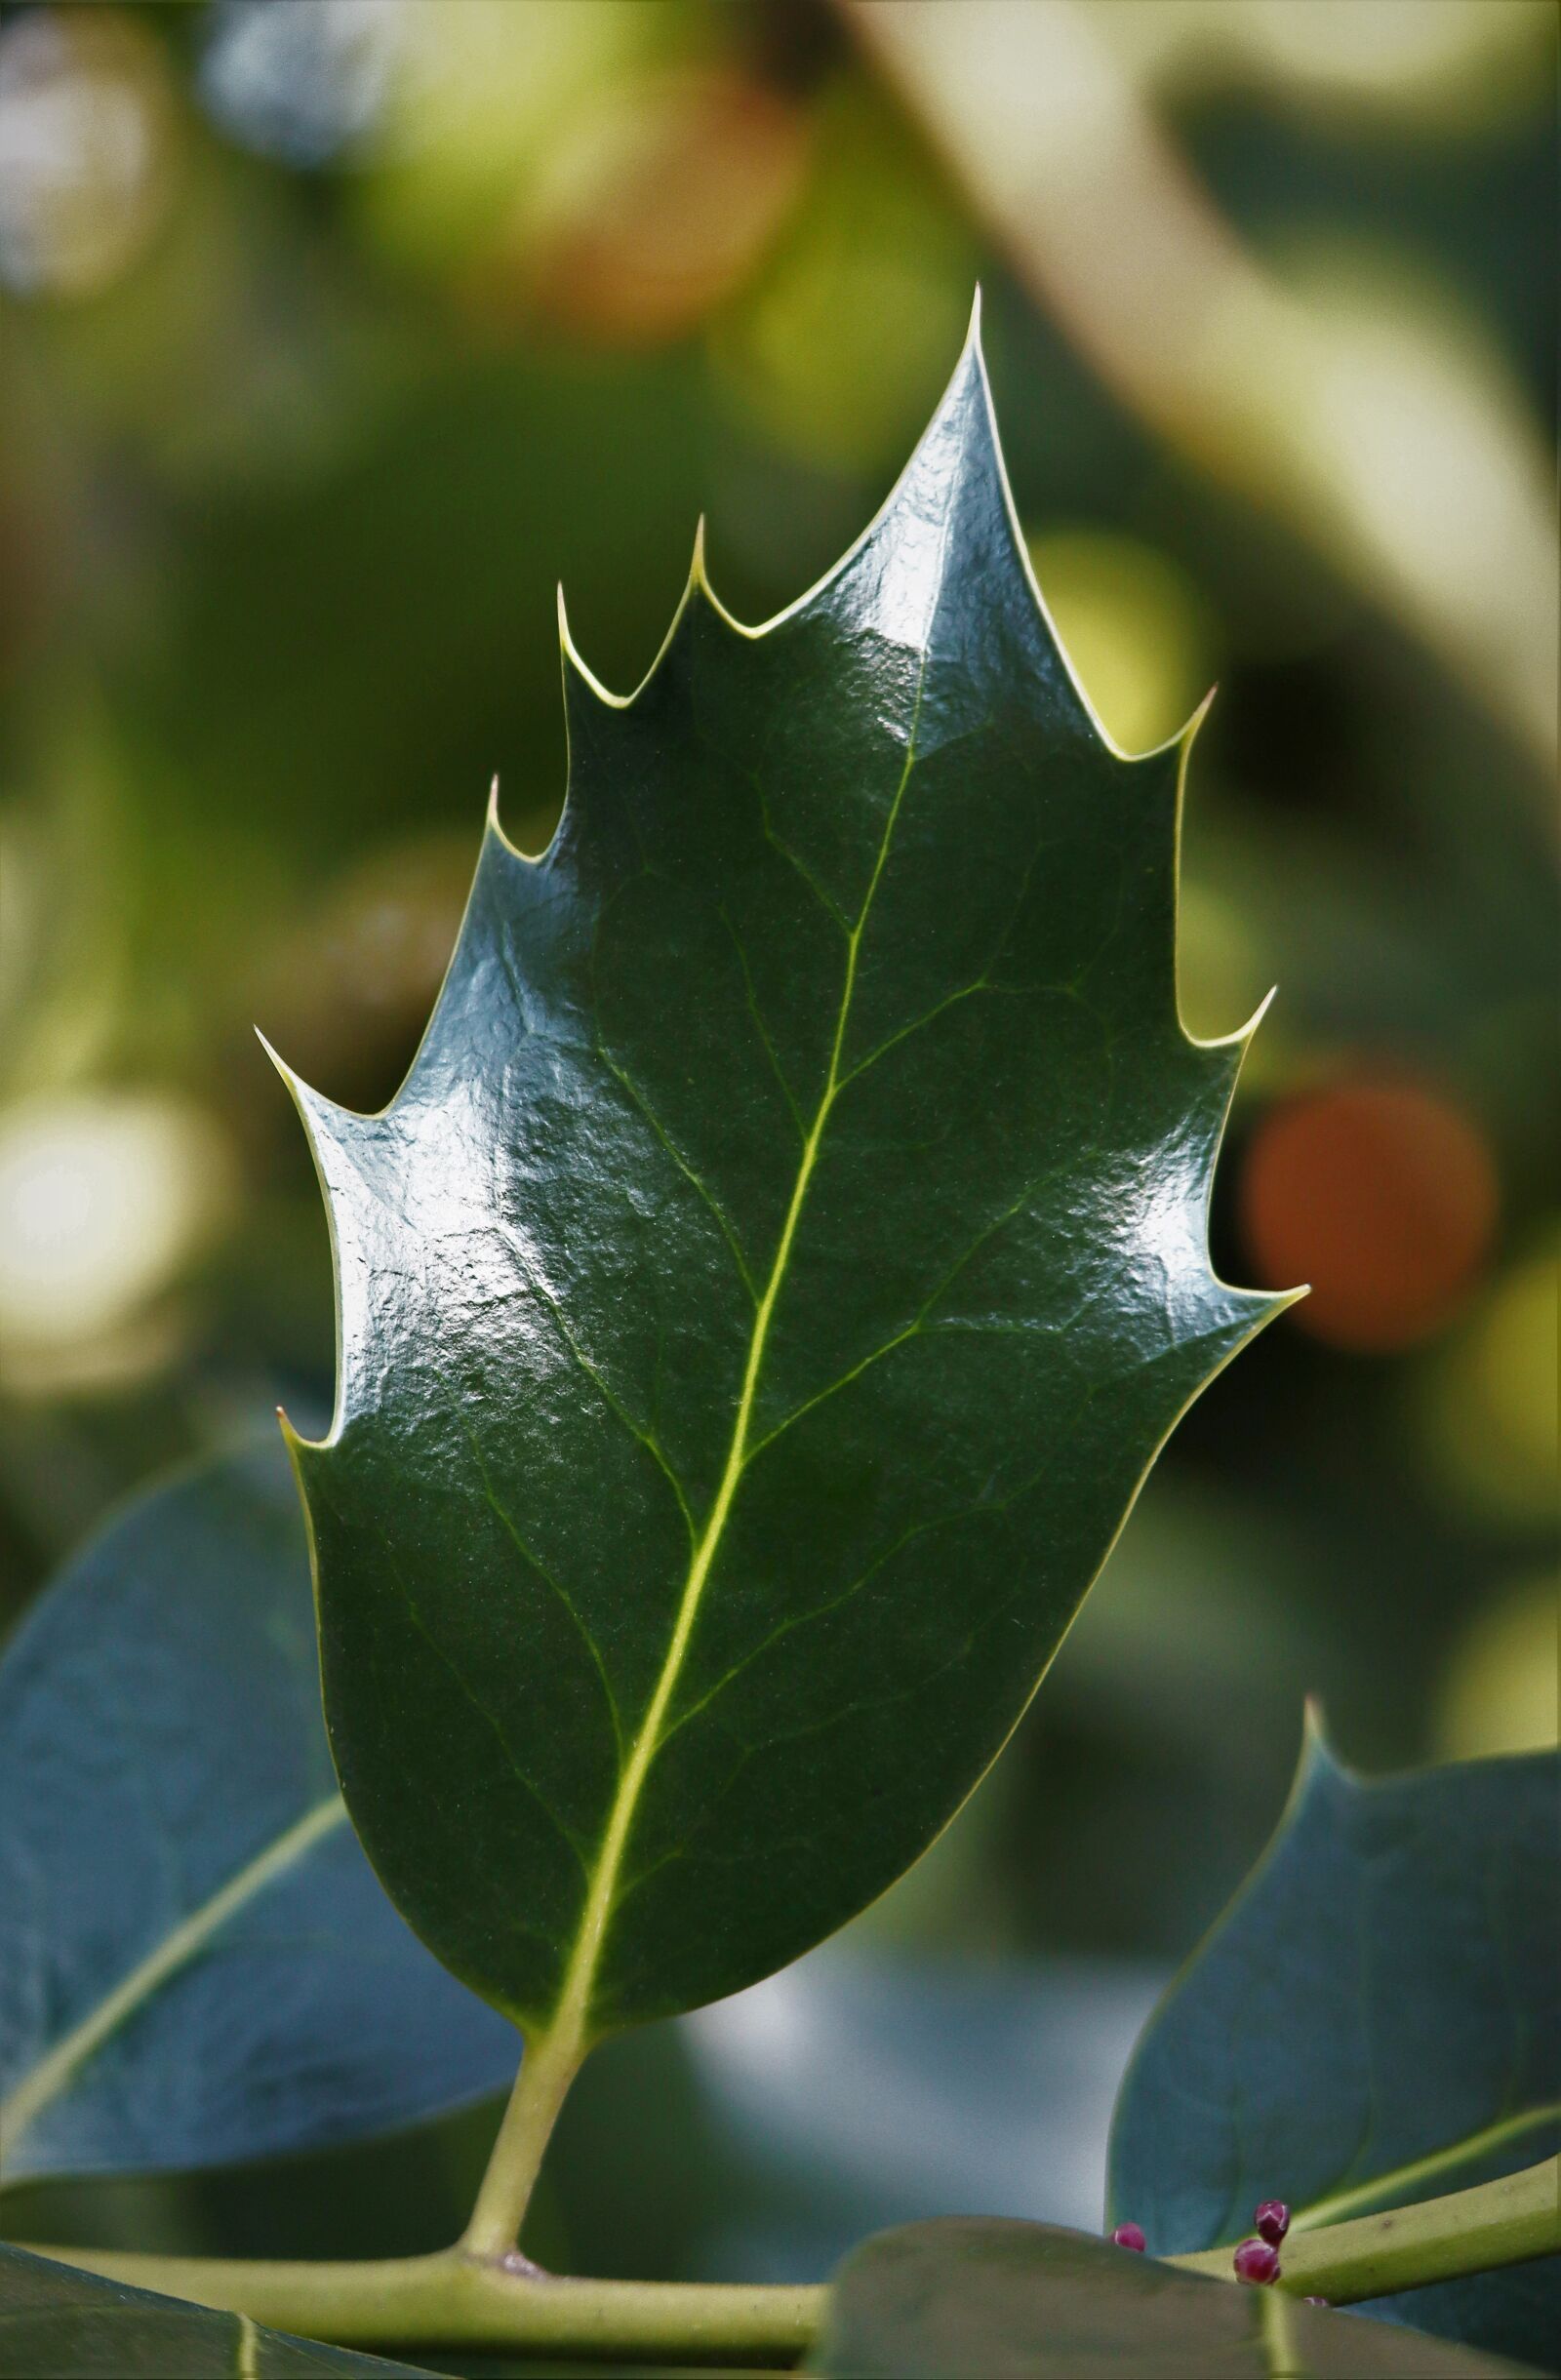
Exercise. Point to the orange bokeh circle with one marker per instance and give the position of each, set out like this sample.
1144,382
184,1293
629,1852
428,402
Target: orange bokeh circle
1382,1195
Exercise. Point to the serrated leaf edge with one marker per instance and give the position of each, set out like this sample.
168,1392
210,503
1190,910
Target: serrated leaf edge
568,2022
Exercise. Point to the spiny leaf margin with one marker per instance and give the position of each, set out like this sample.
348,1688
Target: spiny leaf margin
523,1894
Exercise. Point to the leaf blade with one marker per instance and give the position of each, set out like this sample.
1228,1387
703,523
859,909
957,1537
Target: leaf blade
173,1834
1410,1931
692,1364
1022,2301
57,2324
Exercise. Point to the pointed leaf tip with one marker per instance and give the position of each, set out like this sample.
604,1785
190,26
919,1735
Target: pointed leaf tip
294,1086
974,329
1199,714
1315,1759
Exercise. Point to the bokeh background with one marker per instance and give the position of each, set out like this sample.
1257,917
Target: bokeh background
332,334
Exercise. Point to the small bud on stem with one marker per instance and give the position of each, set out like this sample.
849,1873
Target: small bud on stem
1257,2263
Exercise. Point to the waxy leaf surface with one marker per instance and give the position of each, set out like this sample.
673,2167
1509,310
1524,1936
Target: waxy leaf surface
197,1964
1020,2301
761,1302
57,2324
1376,2019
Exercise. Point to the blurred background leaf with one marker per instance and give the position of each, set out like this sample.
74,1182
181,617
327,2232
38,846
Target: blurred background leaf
1011,2301
198,1963
60,2323
1376,2019
335,332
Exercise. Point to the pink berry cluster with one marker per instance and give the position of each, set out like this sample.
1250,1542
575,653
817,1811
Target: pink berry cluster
1258,2260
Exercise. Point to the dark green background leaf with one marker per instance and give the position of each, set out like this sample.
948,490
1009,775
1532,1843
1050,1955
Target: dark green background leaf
1386,1990
60,2324
851,2092
1020,2301
170,1814
764,1297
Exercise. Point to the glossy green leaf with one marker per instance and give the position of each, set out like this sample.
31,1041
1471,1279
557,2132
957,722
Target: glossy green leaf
1020,2301
1376,2019
761,1302
196,1963
60,2324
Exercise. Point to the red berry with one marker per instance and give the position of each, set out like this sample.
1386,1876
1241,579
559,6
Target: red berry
1256,2262
1129,2234
1272,2221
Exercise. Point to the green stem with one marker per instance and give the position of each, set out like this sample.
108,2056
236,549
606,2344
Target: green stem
456,2299
453,2300
1405,2182
1407,2247
1285,2362
548,2068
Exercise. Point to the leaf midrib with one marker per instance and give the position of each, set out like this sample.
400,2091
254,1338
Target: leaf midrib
52,2072
1402,2180
569,2025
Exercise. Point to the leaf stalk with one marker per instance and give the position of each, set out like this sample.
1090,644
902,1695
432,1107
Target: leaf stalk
547,2070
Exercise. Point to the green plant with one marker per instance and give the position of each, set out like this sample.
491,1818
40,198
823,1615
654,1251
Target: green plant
731,1420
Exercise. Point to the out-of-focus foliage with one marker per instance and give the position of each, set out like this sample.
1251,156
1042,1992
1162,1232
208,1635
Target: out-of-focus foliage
1402,1938
334,332
198,1963
1021,2301
60,2324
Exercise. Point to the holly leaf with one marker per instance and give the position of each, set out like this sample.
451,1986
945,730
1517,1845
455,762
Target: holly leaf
57,2324
1376,2019
760,1304
1021,2301
196,1963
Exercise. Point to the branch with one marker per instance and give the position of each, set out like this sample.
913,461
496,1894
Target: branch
453,2300
1470,2231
